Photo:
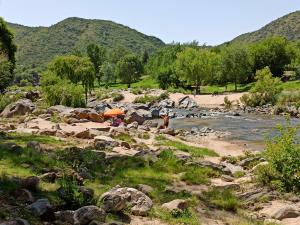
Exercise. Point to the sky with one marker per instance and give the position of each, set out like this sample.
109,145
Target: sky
206,21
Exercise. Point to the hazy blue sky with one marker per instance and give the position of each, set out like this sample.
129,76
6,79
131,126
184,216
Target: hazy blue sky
207,21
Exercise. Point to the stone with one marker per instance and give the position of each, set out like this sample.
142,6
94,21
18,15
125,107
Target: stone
31,183
102,107
133,125
84,173
18,108
88,114
139,116
48,177
42,208
66,216
205,163
87,214
104,142
150,123
168,131
182,156
118,198
23,195
146,189
227,178
230,168
288,211
47,132
84,134
167,103
187,102
175,205
17,221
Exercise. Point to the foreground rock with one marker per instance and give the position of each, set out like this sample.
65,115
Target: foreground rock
16,222
87,214
280,210
176,205
118,199
42,208
18,108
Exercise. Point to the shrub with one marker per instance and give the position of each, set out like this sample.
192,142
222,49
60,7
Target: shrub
265,91
137,91
71,194
283,154
227,103
151,99
117,97
61,92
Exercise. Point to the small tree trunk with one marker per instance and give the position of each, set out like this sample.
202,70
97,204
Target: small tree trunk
129,85
197,89
235,84
86,96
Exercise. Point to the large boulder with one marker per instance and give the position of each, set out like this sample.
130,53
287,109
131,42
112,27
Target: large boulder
139,116
18,108
87,214
167,103
88,114
186,103
118,199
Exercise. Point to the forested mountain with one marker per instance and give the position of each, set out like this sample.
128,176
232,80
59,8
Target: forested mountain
38,45
287,26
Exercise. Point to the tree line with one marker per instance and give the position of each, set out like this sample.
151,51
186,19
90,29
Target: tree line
189,65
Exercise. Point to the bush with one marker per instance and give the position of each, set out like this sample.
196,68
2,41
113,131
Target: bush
265,91
283,154
151,99
61,92
227,103
137,91
117,97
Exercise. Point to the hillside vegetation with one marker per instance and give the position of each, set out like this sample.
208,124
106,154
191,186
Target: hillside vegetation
38,45
287,26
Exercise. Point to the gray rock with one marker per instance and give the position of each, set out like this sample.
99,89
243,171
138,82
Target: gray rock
15,149
146,189
176,205
167,103
86,214
133,125
118,198
19,108
139,116
286,212
87,193
31,183
42,208
168,131
187,102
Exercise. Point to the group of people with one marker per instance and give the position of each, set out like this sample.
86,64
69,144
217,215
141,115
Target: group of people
118,120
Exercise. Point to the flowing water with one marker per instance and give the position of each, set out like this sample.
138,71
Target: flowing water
248,128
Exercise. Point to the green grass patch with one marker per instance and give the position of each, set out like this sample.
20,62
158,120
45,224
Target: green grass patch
224,200
194,151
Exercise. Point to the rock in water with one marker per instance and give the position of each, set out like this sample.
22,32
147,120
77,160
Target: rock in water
86,214
117,199
18,108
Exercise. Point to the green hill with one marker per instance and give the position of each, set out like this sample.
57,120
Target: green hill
38,45
287,26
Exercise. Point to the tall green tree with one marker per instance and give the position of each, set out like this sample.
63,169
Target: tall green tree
107,71
130,69
97,55
7,55
235,65
76,69
272,52
195,66
161,65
